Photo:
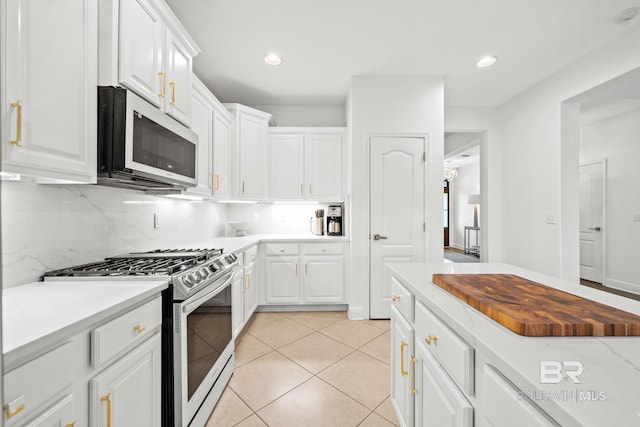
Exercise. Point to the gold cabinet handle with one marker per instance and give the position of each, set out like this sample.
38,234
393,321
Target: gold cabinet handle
8,413
213,181
107,398
431,339
413,375
72,424
301,188
395,297
402,371
247,282
249,276
140,328
18,139
172,85
163,85
243,186
217,182
296,268
306,269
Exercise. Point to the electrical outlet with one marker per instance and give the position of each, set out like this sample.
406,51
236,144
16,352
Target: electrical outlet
156,220
551,218
256,216
636,217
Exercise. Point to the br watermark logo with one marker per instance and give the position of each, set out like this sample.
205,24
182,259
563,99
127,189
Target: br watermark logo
556,372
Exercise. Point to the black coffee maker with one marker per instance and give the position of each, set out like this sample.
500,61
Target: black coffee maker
334,220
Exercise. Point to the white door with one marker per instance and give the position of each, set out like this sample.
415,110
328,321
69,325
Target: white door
128,392
221,156
141,47
286,174
324,279
401,380
324,167
396,212
591,216
177,100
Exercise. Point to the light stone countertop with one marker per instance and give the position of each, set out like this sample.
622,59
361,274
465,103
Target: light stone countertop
43,314
240,243
611,364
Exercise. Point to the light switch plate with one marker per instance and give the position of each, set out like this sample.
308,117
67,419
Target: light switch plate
551,218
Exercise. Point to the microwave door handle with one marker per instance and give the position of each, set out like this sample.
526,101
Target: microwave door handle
188,308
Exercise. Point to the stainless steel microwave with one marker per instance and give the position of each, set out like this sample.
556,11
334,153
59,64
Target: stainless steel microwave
140,147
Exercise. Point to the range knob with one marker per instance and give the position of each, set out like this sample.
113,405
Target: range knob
194,278
187,281
231,258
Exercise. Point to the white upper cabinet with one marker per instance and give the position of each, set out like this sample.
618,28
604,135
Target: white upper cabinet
201,121
48,93
222,130
140,46
286,167
178,66
306,164
144,48
250,147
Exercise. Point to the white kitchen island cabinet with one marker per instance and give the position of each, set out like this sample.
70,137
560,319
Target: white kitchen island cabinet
48,93
306,164
309,273
144,48
250,163
464,369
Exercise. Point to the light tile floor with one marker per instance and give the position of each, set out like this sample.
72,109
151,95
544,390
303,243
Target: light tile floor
309,369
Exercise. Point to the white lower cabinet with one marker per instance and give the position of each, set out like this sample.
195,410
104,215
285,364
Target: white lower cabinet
505,405
401,382
244,288
128,393
60,414
311,273
121,365
438,401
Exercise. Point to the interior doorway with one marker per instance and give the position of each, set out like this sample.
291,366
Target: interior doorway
463,208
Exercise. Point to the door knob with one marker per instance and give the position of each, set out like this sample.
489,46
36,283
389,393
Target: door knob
379,237
595,228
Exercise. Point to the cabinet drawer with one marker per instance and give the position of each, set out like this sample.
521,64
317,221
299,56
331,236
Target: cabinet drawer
504,404
29,387
281,248
402,299
250,255
454,354
128,329
322,249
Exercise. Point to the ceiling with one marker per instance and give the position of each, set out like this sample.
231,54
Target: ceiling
323,43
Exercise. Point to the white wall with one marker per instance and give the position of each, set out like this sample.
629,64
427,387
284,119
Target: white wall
460,211
618,140
306,115
47,227
393,105
275,218
540,169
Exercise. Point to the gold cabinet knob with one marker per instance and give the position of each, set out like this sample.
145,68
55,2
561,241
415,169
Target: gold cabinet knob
395,297
431,339
140,328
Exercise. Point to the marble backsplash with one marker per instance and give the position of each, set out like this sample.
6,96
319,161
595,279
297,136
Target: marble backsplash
46,227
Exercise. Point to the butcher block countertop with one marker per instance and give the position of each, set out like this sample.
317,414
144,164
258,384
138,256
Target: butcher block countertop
611,364
534,310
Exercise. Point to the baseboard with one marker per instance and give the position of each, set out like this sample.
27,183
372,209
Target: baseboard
306,307
357,313
623,286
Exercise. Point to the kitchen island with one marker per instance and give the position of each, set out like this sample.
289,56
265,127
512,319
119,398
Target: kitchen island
451,361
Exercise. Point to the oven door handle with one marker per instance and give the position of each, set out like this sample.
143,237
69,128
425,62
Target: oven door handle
192,305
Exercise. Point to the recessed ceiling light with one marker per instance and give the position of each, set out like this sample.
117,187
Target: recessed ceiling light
273,59
487,61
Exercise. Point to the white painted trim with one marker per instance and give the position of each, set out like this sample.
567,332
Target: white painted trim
623,286
358,313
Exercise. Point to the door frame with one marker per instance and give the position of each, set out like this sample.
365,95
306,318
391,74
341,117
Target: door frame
603,232
426,200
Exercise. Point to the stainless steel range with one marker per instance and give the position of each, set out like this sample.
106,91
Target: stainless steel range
197,343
